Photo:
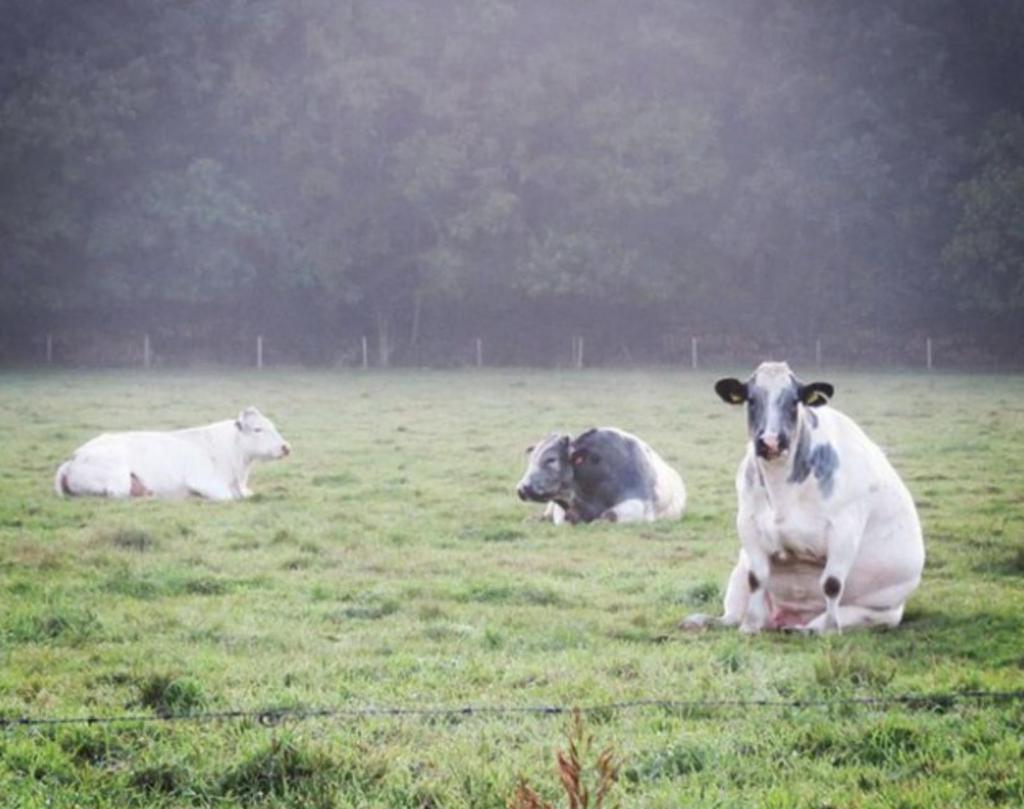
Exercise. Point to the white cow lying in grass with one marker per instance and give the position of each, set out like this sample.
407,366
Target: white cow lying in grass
829,536
211,461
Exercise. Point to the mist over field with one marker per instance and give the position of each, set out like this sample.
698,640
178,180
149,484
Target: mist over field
255,199
760,174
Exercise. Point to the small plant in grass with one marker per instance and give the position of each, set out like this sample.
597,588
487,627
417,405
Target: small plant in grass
282,770
160,778
841,666
131,539
170,696
581,791
701,594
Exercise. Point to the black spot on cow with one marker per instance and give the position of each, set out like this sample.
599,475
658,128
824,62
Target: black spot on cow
825,462
832,587
822,461
753,581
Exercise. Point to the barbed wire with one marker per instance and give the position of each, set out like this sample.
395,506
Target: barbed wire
274,716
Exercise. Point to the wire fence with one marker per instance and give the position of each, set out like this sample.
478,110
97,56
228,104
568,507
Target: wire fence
275,716
680,349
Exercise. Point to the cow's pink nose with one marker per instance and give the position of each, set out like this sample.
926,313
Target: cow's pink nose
767,446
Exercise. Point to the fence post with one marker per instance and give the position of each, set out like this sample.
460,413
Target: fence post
259,351
579,353
817,354
693,352
366,354
146,353
49,349
928,352
479,352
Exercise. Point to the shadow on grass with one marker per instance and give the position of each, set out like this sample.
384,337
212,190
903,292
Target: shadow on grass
1010,565
990,637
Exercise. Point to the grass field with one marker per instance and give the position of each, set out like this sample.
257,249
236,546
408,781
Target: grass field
387,562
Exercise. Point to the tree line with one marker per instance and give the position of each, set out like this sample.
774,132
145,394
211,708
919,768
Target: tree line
775,171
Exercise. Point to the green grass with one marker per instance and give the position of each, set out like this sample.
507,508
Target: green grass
387,562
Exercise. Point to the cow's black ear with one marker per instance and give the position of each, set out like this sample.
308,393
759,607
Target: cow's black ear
238,424
816,394
731,390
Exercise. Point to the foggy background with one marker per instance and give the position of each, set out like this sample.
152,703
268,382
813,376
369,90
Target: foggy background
760,174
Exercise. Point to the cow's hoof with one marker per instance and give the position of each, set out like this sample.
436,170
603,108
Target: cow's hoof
696,623
749,629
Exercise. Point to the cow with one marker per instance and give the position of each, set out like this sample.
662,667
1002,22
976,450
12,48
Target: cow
829,535
605,473
212,462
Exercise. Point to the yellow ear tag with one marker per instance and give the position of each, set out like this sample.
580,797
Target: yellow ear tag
735,398
816,398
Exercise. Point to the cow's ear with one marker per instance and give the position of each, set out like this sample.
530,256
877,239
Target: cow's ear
731,390
581,455
238,423
816,394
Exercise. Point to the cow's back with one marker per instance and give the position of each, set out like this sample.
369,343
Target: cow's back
162,461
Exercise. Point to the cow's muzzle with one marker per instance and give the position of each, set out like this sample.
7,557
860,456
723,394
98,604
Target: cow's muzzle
526,493
286,450
770,447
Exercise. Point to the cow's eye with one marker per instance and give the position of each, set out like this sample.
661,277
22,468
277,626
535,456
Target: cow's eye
551,462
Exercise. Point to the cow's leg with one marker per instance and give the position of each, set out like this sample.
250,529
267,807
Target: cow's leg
757,614
553,513
98,476
881,607
211,487
736,595
633,510
243,484
851,617
844,535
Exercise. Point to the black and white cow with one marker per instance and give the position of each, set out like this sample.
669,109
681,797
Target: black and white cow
605,473
829,535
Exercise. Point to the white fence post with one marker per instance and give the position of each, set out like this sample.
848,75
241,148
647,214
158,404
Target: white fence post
479,352
928,352
49,349
146,353
259,351
366,354
817,354
693,352
579,353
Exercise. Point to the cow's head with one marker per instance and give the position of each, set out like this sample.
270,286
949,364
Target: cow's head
773,396
548,470
259,437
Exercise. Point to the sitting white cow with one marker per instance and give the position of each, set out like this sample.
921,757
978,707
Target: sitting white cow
829,535
211,461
